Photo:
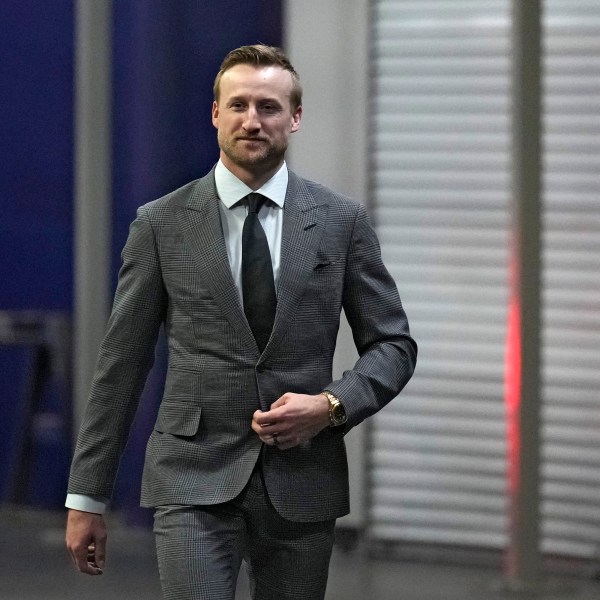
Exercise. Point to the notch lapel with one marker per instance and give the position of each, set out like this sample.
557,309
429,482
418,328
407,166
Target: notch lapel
303,225
203,232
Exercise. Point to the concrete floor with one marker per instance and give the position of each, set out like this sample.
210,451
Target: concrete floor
34,566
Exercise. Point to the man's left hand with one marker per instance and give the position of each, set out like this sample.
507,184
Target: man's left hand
293,420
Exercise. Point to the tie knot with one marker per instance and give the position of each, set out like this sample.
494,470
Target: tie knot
255,202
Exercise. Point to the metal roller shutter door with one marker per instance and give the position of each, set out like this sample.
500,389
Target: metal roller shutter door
440,140
440,179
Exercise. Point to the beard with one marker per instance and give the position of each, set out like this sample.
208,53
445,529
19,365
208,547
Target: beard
268,154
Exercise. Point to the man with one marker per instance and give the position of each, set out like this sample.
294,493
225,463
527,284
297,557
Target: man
247,459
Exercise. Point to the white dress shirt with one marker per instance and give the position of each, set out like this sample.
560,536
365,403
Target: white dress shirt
231,190
233,213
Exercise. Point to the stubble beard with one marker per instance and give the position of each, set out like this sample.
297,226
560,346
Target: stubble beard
262,160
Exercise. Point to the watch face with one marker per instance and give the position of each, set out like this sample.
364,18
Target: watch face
339,415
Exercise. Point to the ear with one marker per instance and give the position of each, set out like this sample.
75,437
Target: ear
215,114
296,120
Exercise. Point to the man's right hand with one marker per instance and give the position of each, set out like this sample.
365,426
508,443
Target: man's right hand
86,541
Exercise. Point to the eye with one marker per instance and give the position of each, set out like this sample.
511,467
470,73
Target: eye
237,106
270,107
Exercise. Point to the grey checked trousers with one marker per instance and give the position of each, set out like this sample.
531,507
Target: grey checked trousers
201,548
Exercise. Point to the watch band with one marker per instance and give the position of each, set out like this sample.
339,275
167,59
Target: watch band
337,414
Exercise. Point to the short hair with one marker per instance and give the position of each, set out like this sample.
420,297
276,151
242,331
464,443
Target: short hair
260,55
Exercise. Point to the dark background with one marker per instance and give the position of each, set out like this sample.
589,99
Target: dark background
164,58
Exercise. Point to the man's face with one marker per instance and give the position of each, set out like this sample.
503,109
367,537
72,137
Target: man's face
254,117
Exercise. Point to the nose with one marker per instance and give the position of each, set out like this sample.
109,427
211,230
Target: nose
251,120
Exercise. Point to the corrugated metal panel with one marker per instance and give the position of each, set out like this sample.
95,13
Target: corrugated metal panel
441,147
440,176
571,278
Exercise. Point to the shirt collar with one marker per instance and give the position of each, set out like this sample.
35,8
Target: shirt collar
231,190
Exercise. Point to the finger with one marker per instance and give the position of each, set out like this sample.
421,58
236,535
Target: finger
93,560
267,433
260,419
264,419
269,439
283,443
84,564
100,553
273,416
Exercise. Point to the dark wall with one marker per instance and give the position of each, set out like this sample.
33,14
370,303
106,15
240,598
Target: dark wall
36,233
165,57
36,154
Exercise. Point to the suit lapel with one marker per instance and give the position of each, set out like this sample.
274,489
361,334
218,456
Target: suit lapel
303,224
203,231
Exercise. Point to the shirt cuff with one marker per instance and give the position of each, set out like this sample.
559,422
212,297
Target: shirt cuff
92,504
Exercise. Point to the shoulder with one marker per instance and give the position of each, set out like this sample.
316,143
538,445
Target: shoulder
179,198
322,194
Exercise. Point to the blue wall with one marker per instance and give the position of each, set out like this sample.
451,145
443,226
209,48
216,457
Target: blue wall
36,154
36,227
165,57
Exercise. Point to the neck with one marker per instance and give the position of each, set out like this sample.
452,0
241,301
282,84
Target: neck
253,178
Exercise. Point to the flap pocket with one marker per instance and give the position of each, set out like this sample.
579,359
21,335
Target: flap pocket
178,417
180,409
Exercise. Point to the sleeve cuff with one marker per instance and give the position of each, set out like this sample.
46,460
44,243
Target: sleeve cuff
92,504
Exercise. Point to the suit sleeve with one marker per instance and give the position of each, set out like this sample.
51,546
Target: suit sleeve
125,358
387,352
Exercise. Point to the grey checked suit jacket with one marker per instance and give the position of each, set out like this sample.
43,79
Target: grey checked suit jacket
175,272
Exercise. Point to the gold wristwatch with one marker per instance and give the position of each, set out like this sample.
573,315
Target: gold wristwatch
337,414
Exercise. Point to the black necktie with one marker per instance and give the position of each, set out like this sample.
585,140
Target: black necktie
258,286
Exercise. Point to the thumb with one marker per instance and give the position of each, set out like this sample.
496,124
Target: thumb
100,553
279,402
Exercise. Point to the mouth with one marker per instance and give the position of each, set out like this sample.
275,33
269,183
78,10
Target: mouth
251,139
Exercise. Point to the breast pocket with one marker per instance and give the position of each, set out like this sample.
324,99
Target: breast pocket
327,278
180,410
